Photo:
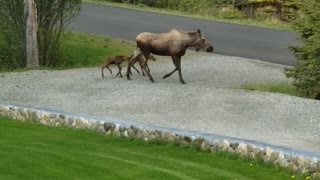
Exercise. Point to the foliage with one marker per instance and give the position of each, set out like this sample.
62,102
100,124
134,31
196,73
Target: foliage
52,17
306,73
12,35
212,14
283,9
231,13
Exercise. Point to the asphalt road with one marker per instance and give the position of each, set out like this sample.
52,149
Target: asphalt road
228,39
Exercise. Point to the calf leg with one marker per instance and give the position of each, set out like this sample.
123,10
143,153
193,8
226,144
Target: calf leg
109,69
135,68
148,68
136,53
120,68
102,74
141,66
147,54
105,66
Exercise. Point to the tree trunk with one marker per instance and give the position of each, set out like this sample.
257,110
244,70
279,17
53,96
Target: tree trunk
31,34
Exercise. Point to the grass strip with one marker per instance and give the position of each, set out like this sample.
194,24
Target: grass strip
33,151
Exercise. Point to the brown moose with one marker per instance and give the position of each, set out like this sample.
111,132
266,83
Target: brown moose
173,43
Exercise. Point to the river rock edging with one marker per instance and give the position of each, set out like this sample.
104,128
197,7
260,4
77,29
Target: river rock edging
297,163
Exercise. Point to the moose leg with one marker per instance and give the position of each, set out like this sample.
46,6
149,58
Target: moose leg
177,68
120,68
178,63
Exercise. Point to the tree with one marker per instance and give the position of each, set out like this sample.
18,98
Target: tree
306,73
52,16
31,34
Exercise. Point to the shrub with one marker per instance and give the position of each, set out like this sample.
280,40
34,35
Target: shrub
306,73
230,13
11,35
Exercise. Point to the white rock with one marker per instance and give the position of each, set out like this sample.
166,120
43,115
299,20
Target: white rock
268,152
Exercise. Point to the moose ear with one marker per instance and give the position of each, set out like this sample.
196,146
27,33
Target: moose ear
198,30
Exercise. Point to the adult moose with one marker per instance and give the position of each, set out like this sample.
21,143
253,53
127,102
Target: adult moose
173,43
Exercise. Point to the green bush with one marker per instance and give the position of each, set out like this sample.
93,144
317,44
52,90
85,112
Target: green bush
231,13
202,7
306,73
284,10
12,35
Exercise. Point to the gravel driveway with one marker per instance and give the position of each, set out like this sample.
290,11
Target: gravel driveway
206,103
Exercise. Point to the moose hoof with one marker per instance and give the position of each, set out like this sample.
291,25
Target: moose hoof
165,76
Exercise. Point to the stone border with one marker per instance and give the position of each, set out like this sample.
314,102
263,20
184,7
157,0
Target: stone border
296,163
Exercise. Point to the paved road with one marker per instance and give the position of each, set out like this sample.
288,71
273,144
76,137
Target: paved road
228,39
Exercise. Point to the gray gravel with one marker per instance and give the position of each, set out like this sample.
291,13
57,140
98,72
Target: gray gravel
206,103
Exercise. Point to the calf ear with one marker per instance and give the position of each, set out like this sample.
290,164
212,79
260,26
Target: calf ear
199,31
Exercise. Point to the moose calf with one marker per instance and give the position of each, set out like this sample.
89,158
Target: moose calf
117,60
141,62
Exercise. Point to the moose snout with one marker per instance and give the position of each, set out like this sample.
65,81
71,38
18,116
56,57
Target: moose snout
210,49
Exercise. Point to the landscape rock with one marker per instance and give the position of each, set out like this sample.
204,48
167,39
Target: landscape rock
234,145
312,168
108,126
316,175
250,148
187,139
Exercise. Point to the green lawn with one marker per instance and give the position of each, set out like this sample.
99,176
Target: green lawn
88,50
283,87
33,151
270,23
